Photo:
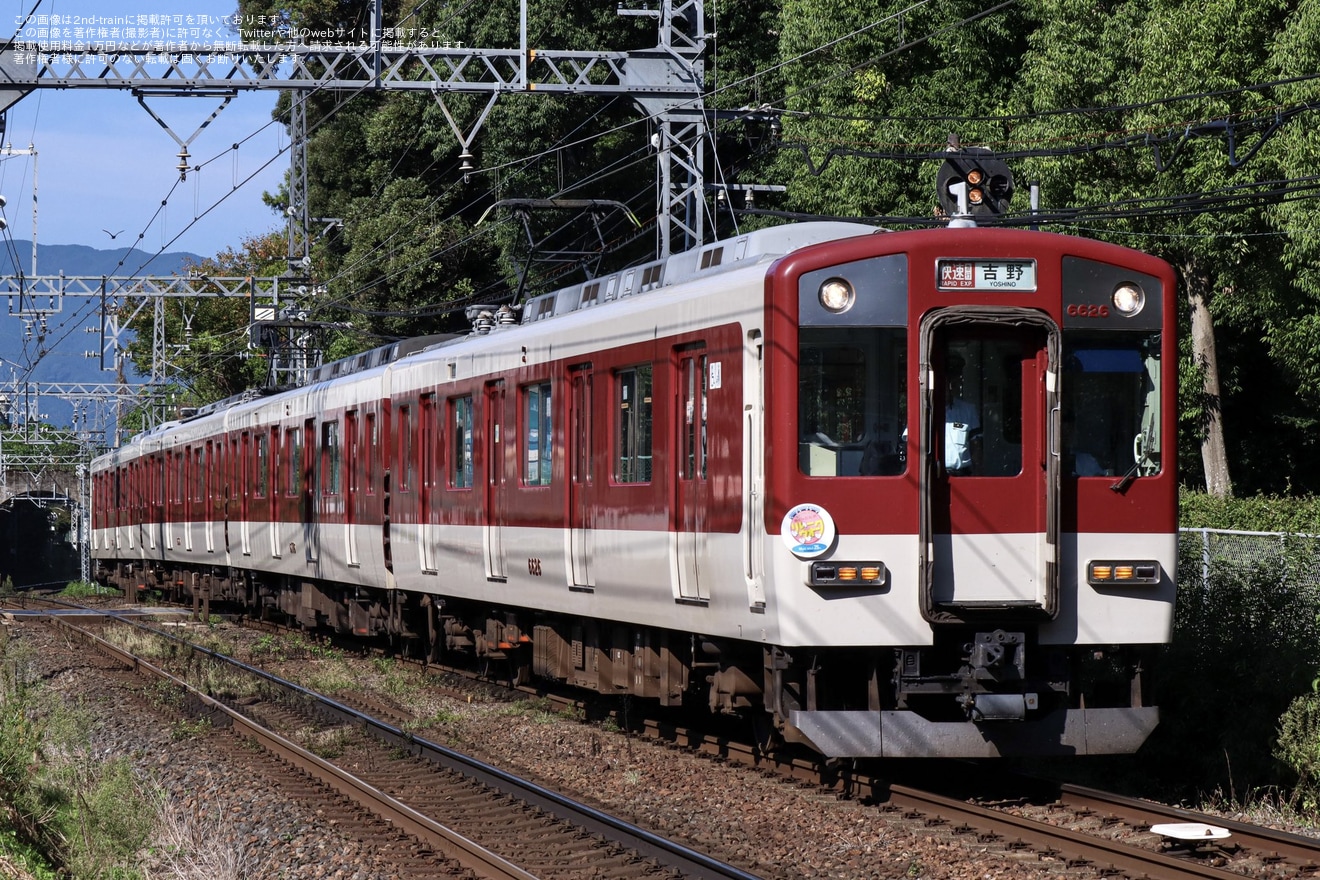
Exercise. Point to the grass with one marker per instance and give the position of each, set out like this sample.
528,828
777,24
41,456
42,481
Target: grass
327,744
70,811
25,856
87,812
270,647
185,845
335,678
185,730
86,590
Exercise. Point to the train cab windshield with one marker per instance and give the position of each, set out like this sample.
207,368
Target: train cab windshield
851,401
1111,404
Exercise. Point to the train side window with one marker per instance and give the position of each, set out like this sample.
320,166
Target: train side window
407,466
693,386
632,463
428,428
277,462
460,461
852,409
199,474
370,445
536,434
351,454
331,458
217,477
293,455
262,483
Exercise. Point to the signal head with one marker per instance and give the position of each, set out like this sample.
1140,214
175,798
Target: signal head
988,182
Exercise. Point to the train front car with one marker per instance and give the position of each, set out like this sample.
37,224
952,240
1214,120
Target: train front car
969,462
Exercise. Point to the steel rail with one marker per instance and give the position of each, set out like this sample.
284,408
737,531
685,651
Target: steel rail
465,852
681,859
1295,848
1074,844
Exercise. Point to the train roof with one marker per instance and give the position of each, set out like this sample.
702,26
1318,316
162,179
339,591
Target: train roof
761,245
376,357
748,249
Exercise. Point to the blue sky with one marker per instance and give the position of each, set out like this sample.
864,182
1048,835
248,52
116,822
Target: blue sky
103,163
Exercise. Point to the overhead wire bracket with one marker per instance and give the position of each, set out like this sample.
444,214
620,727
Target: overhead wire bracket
465,141
587,258
226,95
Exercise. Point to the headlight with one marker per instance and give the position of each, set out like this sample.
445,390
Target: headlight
837,295
1128,298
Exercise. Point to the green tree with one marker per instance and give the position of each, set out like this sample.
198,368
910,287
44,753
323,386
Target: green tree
874,92
1291,327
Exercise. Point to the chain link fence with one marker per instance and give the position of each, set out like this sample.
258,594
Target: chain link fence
1297,554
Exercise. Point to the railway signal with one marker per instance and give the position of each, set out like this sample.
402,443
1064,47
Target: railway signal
972,182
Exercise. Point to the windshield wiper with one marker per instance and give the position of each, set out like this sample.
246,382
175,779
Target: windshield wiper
1122,484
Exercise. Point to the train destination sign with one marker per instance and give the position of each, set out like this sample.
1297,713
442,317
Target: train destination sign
1009,275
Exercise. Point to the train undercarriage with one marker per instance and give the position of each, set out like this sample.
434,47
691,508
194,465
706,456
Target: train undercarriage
983,680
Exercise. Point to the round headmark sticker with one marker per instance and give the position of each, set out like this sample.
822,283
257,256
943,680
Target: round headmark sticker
808,530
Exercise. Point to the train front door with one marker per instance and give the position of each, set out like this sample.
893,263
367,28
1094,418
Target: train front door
692,492
990,466
580,501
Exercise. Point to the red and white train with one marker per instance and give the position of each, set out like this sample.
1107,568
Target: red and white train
903,494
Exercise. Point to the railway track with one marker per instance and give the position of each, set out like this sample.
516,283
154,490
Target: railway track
484,820
1082,830
1114,833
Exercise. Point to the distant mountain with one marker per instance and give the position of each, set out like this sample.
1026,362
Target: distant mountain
62,347
78,259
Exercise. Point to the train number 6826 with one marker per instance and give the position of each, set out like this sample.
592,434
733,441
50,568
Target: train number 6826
1084,310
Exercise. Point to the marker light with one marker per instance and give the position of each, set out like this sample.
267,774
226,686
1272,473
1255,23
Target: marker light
1133,572
850,574
837,295
1128,298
